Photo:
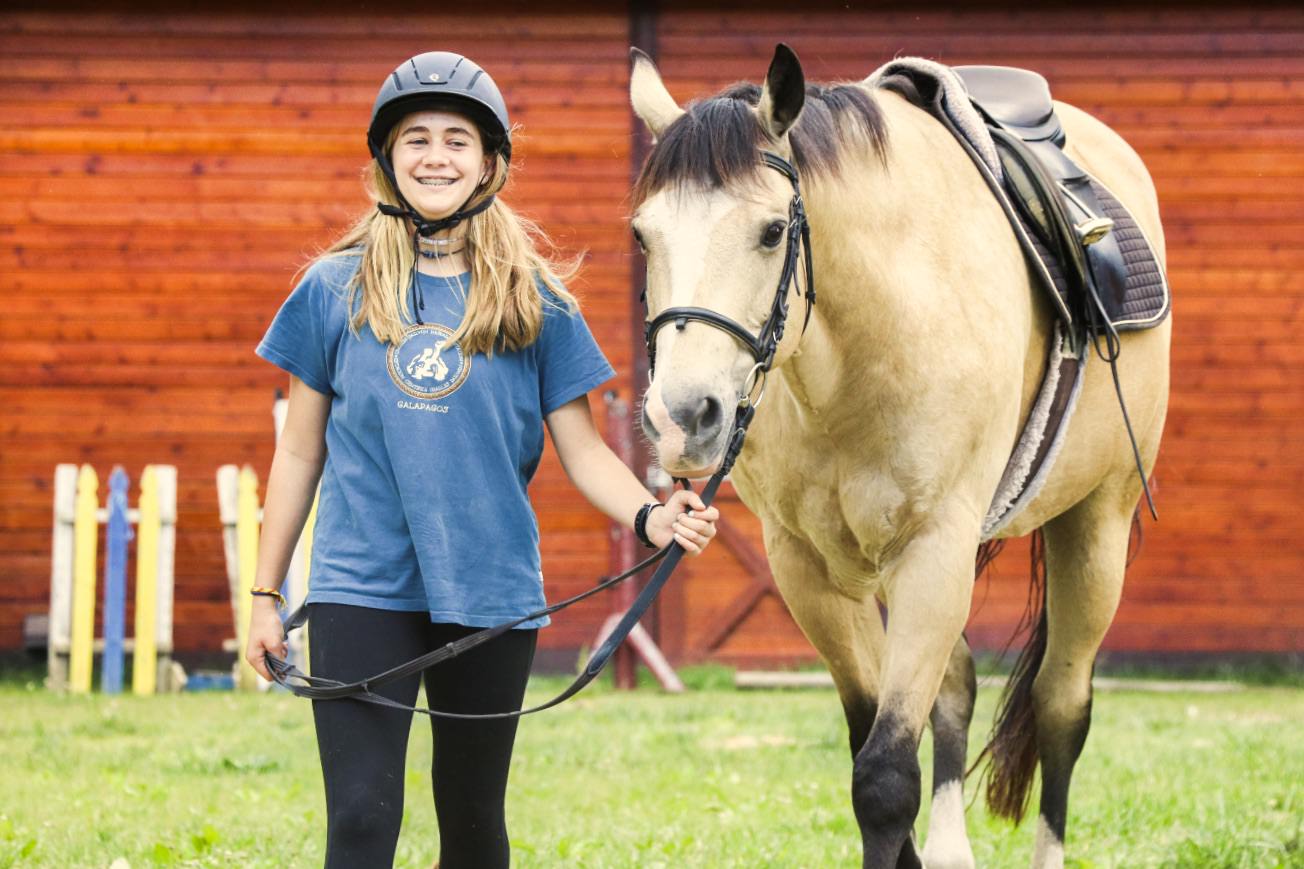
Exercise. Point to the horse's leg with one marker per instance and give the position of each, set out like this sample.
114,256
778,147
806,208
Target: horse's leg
928,603
849,636
848,633
1086,554
947,844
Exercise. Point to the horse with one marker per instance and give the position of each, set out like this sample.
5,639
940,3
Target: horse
890,409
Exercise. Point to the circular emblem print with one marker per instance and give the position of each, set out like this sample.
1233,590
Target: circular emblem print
426,364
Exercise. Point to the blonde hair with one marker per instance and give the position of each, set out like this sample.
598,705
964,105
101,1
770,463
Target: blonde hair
504,308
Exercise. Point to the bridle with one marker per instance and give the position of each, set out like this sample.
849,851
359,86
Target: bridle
764,345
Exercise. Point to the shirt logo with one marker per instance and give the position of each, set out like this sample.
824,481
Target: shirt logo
426,364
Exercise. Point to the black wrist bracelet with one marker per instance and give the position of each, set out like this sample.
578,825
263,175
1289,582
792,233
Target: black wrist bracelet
640,523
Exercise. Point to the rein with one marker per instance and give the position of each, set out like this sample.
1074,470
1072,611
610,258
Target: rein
762,347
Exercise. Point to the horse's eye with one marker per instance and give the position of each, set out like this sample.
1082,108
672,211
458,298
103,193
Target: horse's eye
773,234
638,238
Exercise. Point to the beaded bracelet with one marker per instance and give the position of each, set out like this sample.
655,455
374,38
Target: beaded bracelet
259,591
640,523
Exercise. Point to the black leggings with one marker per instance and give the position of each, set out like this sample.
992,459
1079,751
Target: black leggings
364,747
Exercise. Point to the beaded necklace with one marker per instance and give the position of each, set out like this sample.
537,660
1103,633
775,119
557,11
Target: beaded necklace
437,248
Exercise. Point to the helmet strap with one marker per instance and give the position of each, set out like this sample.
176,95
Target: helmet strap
426,227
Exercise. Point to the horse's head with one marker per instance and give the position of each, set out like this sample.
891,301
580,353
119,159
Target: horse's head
719,223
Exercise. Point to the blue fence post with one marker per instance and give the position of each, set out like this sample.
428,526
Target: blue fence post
115,582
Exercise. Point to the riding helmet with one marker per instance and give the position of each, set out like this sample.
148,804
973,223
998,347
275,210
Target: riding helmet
440,79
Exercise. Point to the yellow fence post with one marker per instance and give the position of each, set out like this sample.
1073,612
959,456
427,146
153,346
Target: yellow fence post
247,552
86,528
144,669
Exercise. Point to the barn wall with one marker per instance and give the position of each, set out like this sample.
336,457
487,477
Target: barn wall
164,174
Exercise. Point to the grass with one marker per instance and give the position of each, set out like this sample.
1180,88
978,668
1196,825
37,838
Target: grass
712,778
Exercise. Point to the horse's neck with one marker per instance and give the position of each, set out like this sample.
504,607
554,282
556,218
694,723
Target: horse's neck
917,273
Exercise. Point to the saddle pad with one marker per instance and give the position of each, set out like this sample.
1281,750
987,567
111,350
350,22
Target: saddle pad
1039,443
1145,299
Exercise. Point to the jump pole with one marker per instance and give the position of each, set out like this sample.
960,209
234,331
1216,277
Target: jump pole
59,631
85,536
228,498
155,550
143,678
247,524
117,534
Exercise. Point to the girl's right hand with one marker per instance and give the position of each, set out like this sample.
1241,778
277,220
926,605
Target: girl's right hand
265,635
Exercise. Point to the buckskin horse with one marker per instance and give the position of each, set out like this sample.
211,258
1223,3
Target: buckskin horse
892,405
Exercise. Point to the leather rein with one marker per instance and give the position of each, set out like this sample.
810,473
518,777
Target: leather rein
762,347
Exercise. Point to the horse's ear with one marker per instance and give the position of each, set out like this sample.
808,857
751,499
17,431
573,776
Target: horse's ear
648,95
784,93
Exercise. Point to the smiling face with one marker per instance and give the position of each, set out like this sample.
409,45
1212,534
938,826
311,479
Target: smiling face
439,160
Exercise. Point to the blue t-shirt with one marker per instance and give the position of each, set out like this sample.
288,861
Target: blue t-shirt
423,502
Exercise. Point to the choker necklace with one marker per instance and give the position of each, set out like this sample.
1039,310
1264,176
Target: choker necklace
437,248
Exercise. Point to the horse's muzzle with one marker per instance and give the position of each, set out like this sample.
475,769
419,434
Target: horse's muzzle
688,430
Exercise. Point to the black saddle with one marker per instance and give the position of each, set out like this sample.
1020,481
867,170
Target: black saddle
1095,256
1018,98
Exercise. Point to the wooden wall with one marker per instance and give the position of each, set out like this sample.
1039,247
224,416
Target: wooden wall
163,174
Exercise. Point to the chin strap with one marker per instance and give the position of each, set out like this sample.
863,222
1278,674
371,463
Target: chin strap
426,227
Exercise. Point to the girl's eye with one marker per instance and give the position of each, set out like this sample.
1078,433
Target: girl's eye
773,234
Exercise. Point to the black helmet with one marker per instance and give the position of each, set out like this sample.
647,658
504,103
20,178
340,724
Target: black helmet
440,79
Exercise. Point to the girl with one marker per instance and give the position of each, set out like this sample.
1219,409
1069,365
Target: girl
427,349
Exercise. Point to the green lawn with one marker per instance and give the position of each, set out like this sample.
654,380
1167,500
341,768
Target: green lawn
715,777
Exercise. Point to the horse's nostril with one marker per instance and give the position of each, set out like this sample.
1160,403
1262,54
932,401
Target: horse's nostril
698,416
709,418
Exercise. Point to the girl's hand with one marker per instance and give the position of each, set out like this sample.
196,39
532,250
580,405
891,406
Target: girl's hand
265,635
685,520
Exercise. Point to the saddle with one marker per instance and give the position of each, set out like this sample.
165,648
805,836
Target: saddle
1088,252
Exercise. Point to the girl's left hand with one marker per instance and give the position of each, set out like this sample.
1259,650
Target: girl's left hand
684,519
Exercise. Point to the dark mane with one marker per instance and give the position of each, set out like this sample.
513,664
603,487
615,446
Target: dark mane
715,142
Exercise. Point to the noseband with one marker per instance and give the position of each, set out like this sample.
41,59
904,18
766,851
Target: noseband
762,346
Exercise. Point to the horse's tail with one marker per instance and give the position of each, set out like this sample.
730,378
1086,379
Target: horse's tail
1012,745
